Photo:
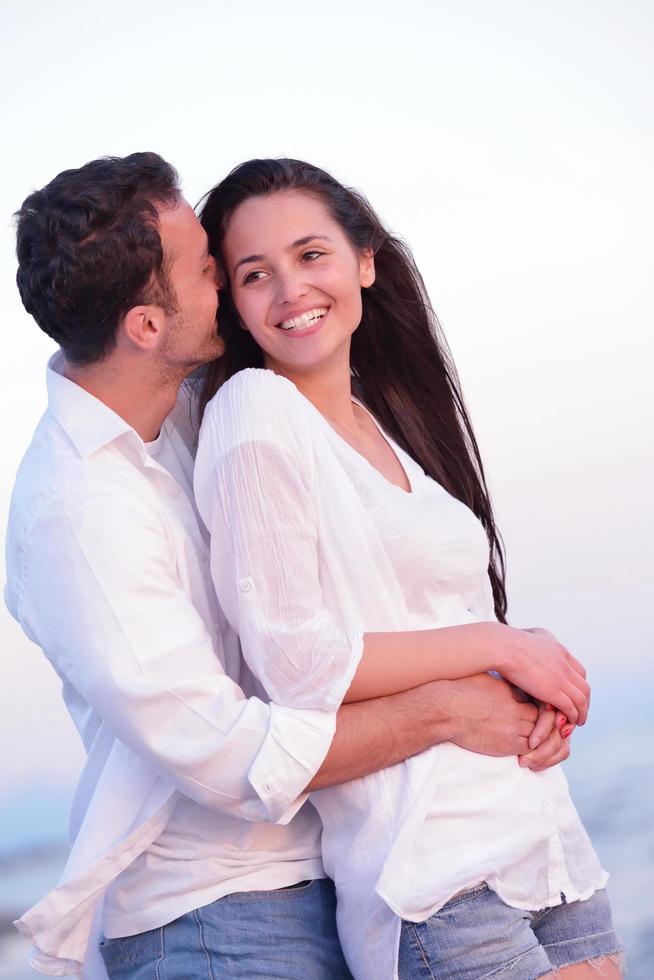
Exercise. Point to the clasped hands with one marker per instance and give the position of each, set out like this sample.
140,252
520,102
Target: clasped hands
549,741
495,718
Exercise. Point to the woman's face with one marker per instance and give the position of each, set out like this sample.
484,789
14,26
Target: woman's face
296,279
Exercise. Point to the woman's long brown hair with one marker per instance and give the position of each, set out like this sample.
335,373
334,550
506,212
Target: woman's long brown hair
401,365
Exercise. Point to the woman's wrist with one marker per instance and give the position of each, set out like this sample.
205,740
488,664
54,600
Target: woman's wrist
504,652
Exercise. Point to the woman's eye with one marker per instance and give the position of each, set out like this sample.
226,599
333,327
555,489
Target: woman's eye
312,255
253,276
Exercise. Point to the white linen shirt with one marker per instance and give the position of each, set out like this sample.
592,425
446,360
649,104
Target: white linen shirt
313,548
107,571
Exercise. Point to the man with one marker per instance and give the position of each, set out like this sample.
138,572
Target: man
191,843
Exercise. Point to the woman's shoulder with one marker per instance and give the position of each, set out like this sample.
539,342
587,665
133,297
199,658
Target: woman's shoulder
254,387
256,404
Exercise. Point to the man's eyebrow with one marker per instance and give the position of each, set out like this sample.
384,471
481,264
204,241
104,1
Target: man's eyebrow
298,243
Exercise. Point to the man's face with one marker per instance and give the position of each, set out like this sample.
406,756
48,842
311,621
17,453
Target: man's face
191,330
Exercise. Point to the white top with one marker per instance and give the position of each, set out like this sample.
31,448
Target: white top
314,548
108,571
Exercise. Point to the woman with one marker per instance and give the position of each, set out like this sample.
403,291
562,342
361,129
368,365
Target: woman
357,556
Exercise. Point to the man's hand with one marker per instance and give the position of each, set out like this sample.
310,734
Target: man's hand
481,713
549,742
490,717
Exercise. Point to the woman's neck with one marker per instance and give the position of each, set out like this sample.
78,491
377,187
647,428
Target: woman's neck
329,389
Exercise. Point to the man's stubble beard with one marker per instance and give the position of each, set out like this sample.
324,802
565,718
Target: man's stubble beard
175,361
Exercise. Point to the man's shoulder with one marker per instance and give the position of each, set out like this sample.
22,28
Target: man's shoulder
48,473
50,467
61,497
54,476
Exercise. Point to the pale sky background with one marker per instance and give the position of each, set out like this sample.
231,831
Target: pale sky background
511,142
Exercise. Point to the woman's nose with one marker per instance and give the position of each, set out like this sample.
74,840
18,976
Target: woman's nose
290,288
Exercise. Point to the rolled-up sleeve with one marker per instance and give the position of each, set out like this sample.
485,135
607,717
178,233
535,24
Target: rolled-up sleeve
255,487
100,591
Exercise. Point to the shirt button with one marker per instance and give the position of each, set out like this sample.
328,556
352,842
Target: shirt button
246,585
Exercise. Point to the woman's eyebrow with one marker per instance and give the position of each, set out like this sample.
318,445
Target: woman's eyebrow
296,244
249,258
306,240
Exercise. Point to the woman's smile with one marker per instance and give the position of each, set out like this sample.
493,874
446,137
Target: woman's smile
304,324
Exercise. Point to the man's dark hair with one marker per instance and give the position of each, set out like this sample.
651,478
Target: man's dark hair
89,249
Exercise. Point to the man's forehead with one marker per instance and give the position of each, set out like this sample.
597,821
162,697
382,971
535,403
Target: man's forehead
181,231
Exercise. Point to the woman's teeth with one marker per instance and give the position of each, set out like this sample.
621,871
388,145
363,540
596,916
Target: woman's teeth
304,321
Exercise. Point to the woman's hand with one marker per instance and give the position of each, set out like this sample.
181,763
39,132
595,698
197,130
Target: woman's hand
535,661
549,741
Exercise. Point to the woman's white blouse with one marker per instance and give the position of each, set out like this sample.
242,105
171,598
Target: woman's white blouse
311,548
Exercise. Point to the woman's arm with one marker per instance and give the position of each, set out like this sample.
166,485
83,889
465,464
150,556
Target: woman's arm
256,490
533,660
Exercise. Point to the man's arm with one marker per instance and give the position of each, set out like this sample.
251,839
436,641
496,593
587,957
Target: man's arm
99,588
480,713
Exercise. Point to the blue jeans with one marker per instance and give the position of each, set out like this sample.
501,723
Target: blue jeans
476,935
288,934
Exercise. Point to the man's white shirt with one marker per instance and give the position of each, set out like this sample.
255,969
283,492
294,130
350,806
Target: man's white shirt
107,571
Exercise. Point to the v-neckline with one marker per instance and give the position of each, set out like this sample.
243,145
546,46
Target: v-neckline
387,439
395,449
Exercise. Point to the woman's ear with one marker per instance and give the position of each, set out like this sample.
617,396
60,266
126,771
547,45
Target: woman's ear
366,268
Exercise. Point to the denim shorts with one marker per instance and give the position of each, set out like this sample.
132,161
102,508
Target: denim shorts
285,934
476,935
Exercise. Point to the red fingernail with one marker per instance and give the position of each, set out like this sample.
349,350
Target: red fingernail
562,721
548,707
566,731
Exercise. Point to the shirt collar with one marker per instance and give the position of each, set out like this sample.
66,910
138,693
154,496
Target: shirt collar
88,422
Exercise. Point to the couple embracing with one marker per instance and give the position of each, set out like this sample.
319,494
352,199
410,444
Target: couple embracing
260,553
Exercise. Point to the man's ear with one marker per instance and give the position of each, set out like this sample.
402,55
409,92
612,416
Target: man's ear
366,268
142,327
